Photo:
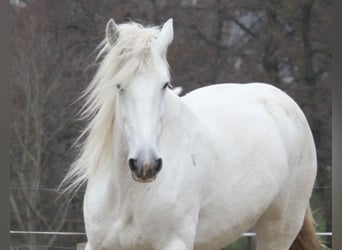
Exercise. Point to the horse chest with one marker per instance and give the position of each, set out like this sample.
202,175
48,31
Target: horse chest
131,223
118,230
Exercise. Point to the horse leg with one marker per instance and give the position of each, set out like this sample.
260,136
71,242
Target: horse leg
279,226
182,239
176,245
87,247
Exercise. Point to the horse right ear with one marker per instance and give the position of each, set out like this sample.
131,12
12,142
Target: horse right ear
112,32
165,38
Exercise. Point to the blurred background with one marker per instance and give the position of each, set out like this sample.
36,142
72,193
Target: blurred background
285,43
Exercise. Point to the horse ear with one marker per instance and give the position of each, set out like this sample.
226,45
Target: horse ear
165,37
112,32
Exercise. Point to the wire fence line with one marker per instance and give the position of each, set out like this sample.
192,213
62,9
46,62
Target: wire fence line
248,234
40,246
42,189
46,233
82,190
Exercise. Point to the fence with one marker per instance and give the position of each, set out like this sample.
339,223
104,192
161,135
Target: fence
81,246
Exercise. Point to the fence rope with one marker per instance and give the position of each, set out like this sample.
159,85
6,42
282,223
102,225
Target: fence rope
41,246
53,189
48,233
248,234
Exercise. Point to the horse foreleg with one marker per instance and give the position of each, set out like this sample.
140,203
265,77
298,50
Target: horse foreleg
181,240
176,245
87,247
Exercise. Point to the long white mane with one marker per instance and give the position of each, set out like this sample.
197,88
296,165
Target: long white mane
130,54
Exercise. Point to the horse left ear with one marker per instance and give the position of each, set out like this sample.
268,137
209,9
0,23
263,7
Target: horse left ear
165,37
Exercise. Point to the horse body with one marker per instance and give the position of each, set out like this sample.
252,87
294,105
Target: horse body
268,146
241,153
165,172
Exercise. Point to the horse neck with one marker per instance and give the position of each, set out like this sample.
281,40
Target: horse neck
173,107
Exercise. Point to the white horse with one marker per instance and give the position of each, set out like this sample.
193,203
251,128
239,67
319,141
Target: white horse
165,172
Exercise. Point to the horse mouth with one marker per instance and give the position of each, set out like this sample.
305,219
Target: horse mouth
143,180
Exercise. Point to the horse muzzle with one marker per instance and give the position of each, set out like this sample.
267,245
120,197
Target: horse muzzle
145,171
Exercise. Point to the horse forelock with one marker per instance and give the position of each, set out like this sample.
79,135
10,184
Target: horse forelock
130,54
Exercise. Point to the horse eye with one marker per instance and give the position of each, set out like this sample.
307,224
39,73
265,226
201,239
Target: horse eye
167,85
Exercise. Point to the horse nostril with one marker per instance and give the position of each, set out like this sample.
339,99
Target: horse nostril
159,164
132,164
